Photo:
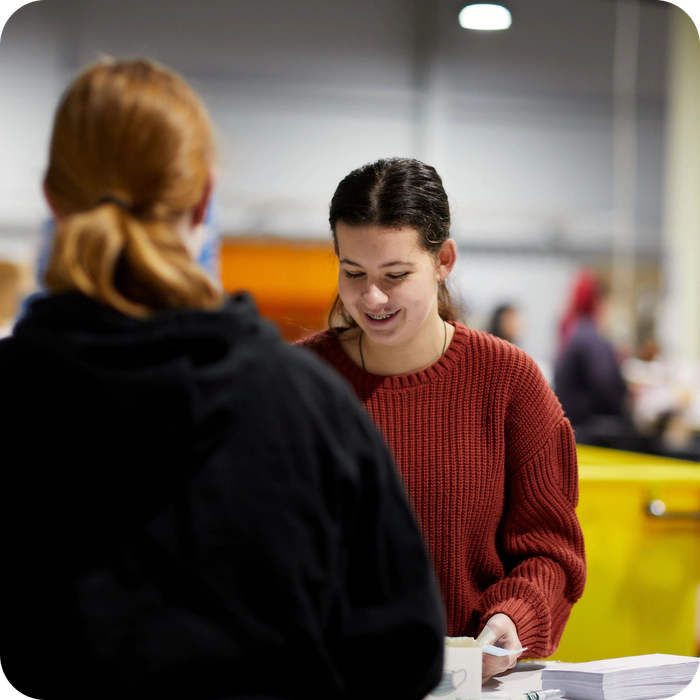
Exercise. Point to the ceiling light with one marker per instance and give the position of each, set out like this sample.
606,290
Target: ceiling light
486,17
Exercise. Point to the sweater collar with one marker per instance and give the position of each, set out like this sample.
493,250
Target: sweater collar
367,382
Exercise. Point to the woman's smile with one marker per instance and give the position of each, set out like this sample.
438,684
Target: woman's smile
380,319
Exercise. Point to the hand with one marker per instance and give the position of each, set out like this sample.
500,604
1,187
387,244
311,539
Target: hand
507,638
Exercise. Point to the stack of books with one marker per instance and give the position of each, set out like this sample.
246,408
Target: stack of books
630,678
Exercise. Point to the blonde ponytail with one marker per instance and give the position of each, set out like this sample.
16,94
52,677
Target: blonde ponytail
136,268
134,128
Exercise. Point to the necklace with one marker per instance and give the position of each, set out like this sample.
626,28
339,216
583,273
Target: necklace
444,343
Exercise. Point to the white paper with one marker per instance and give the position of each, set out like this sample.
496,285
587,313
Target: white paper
630,678
500,651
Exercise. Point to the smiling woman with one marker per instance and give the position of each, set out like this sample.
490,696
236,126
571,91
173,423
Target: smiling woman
391,231
389,285
487,457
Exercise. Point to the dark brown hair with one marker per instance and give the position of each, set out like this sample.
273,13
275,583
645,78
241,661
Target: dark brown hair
395,192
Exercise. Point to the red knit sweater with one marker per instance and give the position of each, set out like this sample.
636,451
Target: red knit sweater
489,464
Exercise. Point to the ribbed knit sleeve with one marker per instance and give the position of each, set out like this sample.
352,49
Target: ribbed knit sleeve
540,540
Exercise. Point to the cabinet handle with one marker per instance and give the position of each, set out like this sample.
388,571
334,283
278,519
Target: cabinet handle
657,509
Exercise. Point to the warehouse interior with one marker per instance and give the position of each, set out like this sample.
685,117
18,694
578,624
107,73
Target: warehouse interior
569,140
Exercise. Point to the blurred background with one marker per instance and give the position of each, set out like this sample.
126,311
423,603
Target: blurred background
569,141
541,148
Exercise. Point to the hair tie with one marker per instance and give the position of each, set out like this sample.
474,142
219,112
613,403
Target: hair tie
109,199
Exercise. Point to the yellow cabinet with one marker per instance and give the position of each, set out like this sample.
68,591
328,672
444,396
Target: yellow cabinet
640,516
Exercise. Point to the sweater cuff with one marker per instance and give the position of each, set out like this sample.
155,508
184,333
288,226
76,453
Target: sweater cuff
521,602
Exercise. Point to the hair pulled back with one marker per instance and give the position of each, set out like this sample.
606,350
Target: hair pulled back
131,150
395,193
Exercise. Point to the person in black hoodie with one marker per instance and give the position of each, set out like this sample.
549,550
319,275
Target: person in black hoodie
190,508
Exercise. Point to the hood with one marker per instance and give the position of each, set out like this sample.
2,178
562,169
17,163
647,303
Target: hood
170,379
134,407
192,354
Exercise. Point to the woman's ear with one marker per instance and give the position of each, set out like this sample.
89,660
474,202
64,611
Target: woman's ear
447,257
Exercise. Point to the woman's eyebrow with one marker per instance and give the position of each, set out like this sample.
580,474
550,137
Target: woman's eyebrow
345,261
398,262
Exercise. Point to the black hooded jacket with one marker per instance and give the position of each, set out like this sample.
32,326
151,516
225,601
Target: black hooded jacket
190,508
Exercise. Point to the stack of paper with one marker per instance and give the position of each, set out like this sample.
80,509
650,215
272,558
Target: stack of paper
629,678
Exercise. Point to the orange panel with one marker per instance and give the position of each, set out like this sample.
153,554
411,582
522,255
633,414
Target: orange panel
293,282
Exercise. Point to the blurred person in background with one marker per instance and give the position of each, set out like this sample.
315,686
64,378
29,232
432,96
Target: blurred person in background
666,397
505,323
587,376
486,454
189,508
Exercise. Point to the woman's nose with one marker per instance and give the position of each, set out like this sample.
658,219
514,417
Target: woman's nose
374,296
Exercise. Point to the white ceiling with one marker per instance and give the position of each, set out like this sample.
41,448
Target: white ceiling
553,47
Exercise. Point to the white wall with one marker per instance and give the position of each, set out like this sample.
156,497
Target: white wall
30,84
518,123
304,91
537,285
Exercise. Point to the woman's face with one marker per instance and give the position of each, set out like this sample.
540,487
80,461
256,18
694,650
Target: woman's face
387,282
